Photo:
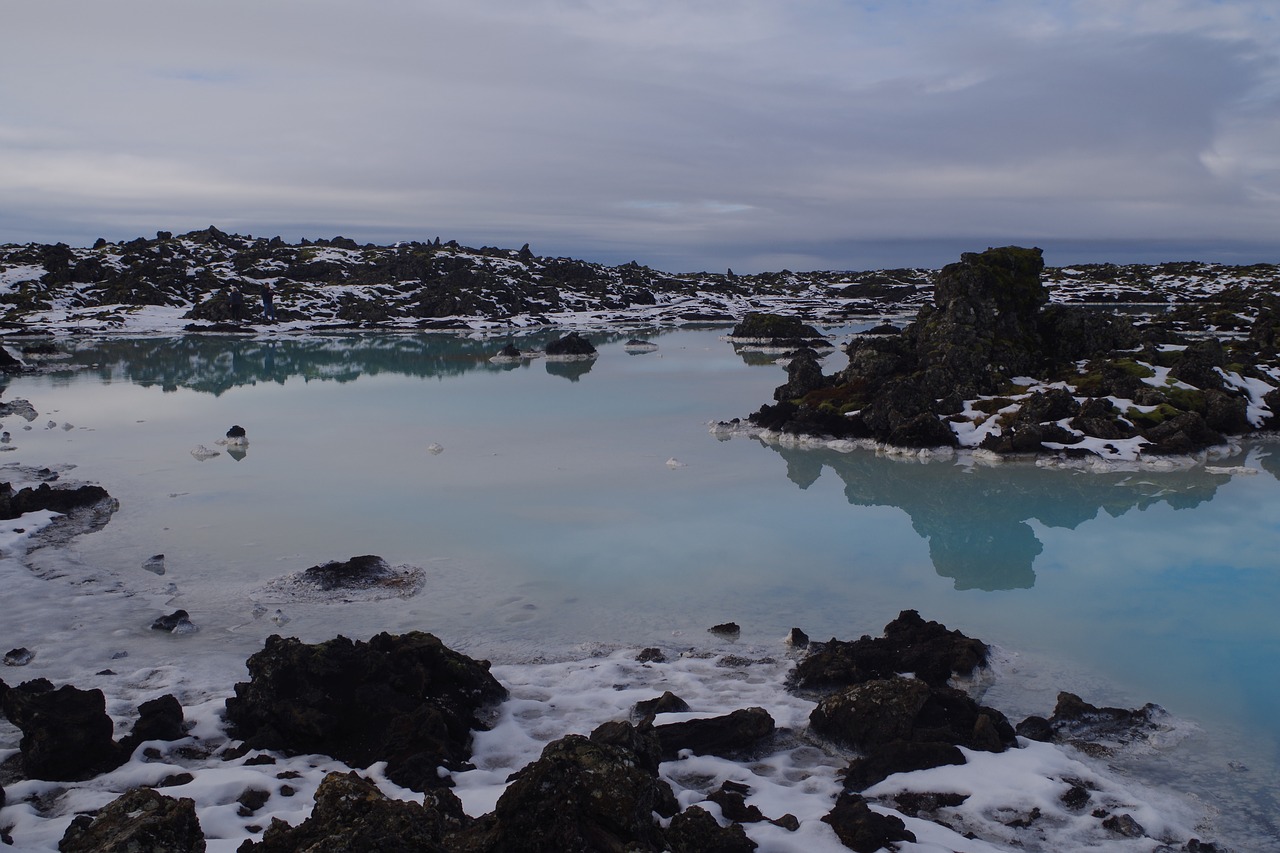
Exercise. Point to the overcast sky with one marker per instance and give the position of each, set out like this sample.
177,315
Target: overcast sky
684,134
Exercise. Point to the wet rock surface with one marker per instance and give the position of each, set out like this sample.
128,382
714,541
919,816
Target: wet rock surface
66,733
407,700
724,735
140,821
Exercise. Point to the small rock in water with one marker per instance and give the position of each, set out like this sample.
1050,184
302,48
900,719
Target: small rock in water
119,655
68,427
18,657
202,453
279,618
434,448
177,622
797,639
155,564
675,463
236,436
726,629
5,437
51,425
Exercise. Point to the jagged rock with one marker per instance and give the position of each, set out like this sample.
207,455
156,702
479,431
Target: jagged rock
797,639
726,629
667,703
694,830
579,796
651,655
725,735
898,756
861,829
66,733
44,496
407,700
731,797
352,816
910,644
640,740
776,329
158,719
177,622
804,375
875,713
139,821
1185,433
1076,721
571,344
19,656
356,573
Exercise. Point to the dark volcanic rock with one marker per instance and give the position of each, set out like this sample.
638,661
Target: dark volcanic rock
861,829
774,328
694,830
66,733
667,703
870,715
579,796
408,700
139,821
158,719
1075,720
570,344
356,573
804,375
44,496
725,735
898,756
910,644
352,816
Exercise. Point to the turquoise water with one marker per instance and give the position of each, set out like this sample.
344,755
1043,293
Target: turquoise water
578,504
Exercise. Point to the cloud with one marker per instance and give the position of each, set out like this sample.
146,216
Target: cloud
684,134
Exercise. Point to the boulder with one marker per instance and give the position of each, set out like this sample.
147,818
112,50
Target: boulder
804,375
873,714
571,344
44,496
861,829
138,821
667,703
158,719
694,830
1076,721
407,700
352,816
579,796
356,573
898,756
726,735
910,644
774,328
66,733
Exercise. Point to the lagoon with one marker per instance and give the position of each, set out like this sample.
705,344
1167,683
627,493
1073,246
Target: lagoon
584,505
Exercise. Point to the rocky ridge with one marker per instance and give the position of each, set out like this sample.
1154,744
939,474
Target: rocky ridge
338,283
992,365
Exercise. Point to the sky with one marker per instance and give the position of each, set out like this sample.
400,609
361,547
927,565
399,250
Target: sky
684,134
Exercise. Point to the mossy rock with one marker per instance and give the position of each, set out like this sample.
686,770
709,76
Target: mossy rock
756,325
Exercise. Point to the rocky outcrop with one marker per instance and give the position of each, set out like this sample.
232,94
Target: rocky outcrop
861,829
694,830
356,573
580,796
778,331
66,733
725,735
352,816
571,345
967,360
910,644
44,496
140,821
1091,728
407,700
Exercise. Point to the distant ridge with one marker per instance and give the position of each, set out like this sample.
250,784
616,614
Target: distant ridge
339,283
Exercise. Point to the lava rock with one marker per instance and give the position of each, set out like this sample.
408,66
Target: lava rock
580,795
352,816
177,622
356,573
19,657
910,644
725,629
667,703
861,829
66,733
571,344
694,830
407,700
139,821
725,735
44,496
158,719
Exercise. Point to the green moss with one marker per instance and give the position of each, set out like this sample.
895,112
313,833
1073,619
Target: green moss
1186,399
839,399
993,405
1146,420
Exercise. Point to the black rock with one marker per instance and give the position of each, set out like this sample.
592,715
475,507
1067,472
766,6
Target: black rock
356,573
651,655
580,795
236,431
861,829
694,830
44,496
177,622
407,700
726,735
352,816
139,821
19,656
158,719
797,639
910,644
898,756
640,740
66,733
570,344
667,703
725,629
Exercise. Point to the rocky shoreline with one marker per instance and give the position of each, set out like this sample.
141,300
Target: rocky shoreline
992,366
406,709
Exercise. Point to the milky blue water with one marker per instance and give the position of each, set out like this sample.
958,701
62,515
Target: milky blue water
587,503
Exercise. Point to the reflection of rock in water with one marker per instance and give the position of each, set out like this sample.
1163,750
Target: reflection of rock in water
975,518
571,370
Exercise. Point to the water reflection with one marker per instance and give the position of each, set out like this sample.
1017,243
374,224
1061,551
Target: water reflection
216,363
976,520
